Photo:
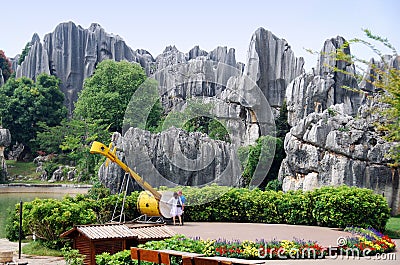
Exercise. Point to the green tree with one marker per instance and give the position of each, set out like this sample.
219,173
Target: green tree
260,155
197,117
106,94
144,110
25,105
5,66
76,144
24,53
282,125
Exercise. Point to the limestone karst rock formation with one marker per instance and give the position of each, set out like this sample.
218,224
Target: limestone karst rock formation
217,79
71,53
1,78
333,140
272,64
5,140
173,157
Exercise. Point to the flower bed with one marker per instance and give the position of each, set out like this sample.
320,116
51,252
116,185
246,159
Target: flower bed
366,242
242,249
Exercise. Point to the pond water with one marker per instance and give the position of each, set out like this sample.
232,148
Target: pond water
11,195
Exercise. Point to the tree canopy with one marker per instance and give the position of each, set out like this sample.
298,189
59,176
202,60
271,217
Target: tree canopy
25,104
5,66
106,94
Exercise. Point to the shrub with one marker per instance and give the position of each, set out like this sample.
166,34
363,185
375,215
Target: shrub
72,256
122,257
349,206
328,206
48,218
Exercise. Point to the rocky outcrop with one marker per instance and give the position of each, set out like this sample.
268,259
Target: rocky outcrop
71,53
371,73
36,62
5,140
1,78
173,157
230,91
332,148
317,91
272,64
333,140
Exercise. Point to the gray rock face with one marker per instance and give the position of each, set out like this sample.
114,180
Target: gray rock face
1,78
371,74
316,92
333,140
272,64
173,157
332,148
71,53
36,62
5,137
5,140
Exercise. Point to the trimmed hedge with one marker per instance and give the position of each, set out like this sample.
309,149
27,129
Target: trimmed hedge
329,206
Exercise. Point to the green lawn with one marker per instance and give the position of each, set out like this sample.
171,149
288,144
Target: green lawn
37,249
393,227
17,168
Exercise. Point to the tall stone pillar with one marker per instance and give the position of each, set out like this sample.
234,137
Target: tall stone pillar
5,140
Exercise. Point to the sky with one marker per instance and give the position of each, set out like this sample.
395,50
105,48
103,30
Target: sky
153,25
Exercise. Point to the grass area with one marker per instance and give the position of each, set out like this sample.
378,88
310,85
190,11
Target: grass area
17,168
393,227
37,249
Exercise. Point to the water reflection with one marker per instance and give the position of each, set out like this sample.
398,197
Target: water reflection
11,195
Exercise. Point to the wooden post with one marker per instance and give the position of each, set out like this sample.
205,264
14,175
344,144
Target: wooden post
20,230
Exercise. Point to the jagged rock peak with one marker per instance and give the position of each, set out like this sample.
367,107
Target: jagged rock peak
94,26
71,53
35,38
170,48
324,87
272,64
327,62
196,52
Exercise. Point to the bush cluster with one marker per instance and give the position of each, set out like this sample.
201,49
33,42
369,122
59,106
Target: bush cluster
48,218
329,206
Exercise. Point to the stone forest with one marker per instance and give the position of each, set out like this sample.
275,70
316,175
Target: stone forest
202,119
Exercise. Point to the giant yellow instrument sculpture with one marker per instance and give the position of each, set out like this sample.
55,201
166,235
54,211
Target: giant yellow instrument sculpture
150,202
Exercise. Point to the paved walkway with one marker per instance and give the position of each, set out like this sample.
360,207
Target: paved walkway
244,231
